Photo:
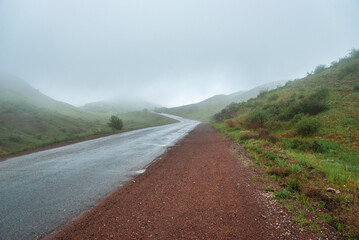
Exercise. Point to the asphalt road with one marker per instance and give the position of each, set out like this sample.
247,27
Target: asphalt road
40,192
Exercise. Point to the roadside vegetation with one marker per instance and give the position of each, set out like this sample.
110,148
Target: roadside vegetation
305,136
204,110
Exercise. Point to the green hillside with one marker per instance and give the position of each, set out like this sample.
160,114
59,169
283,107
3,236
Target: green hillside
119,106
203,111
306,137
143,119
15,90
30,119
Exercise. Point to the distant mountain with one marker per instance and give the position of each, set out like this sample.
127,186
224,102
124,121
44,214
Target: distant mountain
29,118
16,90
205,109
119,106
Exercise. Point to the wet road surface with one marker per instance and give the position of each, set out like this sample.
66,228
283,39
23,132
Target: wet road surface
42,191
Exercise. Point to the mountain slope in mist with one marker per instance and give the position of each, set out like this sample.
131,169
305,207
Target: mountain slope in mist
119,106
29,118
205,109
15,90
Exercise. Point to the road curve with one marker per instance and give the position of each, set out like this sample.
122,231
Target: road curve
41,191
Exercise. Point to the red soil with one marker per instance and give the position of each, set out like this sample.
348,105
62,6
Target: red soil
197,190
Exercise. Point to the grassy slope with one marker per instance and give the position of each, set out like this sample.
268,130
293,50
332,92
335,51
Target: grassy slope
143,119
268,127
30,119
119,106
203,111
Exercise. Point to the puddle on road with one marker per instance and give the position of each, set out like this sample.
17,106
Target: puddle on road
140,171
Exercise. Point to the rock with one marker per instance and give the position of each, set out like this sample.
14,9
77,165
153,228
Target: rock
329,189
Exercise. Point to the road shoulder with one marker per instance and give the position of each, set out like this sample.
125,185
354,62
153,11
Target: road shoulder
205,187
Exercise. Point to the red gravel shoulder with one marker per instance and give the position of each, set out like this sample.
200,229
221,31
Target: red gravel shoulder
197,190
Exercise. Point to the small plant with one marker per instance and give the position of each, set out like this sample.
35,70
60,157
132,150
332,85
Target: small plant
340,227
321,204
293,185
341,198
269,188
294,168
279,171
283,194
307,126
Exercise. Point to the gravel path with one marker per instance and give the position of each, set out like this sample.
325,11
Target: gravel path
196,190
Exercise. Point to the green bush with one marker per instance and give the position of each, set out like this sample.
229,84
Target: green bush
315,103
293,185
320,68
284,194
15,139
354,53
313,145
348,69
257,116
273,97
272,124
115,123
297,118
307,126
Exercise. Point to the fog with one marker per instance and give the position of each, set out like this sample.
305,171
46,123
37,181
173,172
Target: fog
169,52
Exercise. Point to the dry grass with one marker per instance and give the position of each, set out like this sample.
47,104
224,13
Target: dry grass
279,171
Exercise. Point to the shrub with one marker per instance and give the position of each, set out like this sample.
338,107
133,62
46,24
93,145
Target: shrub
115,123
273,97
356,88
230,123
272,124
315,103
307,126
257,116
348,69
15,139
284,194
297,118
317,146
354,53
294,168
262,93
293,185
320,68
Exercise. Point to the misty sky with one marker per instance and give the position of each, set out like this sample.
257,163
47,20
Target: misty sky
169,52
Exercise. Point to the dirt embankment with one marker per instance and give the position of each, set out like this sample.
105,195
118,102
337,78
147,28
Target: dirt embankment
196,190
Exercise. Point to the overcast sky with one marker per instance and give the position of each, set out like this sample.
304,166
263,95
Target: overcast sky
169,52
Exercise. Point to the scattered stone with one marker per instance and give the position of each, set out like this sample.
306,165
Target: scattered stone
329,189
